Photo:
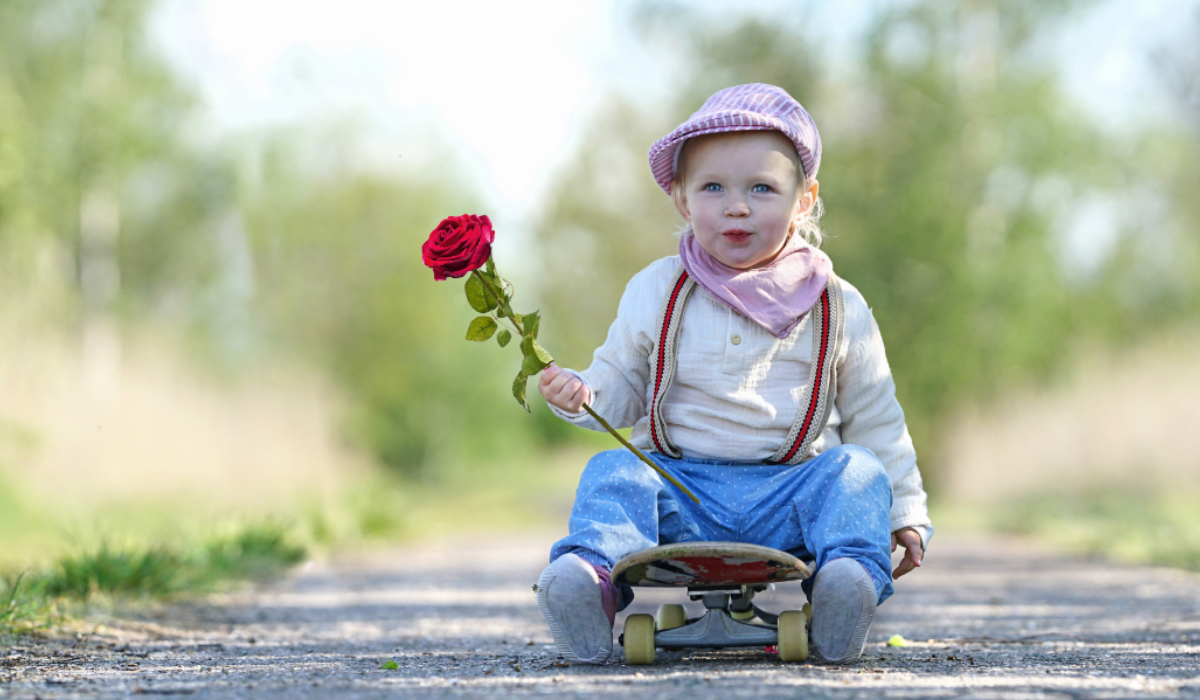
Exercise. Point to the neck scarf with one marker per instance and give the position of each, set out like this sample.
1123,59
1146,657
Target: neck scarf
775,296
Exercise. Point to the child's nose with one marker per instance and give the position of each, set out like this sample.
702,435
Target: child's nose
737,207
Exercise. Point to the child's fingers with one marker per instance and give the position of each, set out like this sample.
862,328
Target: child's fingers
576,393
552,385
556,382
910,561
579,394
548,375
565,385
563,389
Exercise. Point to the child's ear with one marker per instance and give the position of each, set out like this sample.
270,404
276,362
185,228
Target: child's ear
808,198
680,199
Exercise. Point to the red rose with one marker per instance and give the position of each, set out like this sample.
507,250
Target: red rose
458,245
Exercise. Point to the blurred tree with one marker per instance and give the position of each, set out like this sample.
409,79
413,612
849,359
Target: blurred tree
264,246
341,281
1172,160
954,175
87,104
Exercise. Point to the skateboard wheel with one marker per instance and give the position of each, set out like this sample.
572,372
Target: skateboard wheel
670,616
793,636
639,640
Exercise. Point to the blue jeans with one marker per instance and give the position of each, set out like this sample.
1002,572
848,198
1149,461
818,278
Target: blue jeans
833,506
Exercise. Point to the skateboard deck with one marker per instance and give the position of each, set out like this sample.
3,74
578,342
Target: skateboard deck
709,564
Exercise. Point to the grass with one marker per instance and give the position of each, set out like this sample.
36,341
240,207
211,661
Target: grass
24,611
37,599
151,550
1138,526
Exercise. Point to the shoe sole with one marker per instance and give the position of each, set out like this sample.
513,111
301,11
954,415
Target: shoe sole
560,639
858,638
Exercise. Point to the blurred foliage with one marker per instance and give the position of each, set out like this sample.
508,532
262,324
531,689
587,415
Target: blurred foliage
1149,526
89,113
339,276
258,247
952,166
953,170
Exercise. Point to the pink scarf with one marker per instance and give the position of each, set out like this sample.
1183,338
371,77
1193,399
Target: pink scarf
775,296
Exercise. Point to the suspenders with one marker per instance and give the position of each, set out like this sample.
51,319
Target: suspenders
828,324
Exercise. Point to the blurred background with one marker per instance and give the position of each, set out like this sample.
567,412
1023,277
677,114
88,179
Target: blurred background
213,307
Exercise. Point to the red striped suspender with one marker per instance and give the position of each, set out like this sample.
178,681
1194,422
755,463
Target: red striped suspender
827,317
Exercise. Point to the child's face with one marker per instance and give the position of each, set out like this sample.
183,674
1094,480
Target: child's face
741,192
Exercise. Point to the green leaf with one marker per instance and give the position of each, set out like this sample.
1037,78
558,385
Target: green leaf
478,296
503,337
481,329
389,665
541,353
531,324
536,358
519,390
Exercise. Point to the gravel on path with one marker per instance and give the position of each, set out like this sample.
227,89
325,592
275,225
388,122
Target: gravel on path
985,618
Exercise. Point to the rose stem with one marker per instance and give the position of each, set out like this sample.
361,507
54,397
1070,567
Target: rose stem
638,452
500,302
508,311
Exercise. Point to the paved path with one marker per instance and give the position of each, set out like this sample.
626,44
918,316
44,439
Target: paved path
986,618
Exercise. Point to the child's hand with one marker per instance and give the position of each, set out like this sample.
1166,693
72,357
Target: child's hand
912,550
563,390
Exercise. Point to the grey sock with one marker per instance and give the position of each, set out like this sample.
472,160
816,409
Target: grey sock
843,601
568,594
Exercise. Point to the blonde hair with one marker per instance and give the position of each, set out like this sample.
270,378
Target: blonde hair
807,223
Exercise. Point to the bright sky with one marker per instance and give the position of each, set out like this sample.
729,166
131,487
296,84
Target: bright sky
510,84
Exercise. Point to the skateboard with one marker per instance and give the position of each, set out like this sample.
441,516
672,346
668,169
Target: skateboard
725,576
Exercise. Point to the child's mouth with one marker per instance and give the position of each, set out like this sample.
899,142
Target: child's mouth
737,236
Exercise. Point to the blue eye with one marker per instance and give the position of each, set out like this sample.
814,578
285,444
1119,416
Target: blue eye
760,189
712,187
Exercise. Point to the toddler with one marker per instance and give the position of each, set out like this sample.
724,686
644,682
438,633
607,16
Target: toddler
752,374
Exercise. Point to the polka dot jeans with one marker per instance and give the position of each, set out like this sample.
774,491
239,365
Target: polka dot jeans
832,506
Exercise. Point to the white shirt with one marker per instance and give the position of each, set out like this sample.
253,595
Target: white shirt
737,388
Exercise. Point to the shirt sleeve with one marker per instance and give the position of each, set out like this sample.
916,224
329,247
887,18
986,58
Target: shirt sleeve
620,369
872,418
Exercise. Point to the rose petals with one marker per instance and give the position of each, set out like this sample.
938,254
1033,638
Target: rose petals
458,245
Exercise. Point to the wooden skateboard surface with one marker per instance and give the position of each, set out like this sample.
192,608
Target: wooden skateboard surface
709,564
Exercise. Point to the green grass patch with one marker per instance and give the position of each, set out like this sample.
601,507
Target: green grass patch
161,569
1144,527
24,609
151,550
34,599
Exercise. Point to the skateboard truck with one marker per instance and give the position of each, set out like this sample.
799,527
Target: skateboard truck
718,628
724,576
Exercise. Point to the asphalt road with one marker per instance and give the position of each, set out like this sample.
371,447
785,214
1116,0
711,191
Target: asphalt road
985,618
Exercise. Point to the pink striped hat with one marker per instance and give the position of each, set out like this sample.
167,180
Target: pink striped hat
753,107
